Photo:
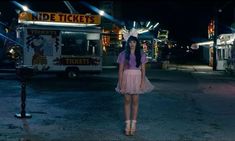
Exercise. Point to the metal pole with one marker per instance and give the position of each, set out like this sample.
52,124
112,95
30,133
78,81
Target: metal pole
23,114
215,40
23,98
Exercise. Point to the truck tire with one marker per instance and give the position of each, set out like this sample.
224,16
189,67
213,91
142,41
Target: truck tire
72,72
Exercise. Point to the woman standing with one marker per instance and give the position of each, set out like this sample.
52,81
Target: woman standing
132,81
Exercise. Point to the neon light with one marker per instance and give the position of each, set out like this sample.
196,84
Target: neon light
56,23
148,24
134,24
143,31
155,25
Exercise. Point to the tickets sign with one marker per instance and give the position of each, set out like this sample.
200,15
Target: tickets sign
43,32
60,17
80,61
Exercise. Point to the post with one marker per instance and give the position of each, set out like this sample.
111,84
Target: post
215,39
23,74
23,114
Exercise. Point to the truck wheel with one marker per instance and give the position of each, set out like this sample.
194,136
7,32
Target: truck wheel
72,72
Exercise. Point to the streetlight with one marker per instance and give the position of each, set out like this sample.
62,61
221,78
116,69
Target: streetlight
25,8
101,12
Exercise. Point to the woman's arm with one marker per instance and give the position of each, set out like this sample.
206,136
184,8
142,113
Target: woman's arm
120,74
142,75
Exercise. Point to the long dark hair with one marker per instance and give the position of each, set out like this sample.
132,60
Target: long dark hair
137,50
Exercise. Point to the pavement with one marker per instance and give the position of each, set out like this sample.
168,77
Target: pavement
189,102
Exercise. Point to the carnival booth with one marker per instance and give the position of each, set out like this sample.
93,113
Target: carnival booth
60,42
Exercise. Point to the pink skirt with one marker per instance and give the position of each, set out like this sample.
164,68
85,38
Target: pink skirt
131,83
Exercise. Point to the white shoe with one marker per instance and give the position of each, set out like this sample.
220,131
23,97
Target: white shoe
133,127
128,127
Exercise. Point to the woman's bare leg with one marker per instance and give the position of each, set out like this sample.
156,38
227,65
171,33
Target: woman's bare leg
135,105
127,109
127,106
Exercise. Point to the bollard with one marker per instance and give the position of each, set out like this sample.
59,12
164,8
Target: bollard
23,73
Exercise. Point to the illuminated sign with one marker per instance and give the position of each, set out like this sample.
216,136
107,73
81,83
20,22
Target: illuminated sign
60,18
163,34
211,29
79,61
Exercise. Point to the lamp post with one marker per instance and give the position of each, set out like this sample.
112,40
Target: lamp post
215,38
23,74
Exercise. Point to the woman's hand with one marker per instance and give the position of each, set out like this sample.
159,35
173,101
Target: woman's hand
142,77
121,88
120,77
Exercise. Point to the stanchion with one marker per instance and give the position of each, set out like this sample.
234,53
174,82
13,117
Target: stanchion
23,74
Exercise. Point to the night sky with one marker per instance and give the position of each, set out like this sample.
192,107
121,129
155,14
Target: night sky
186,20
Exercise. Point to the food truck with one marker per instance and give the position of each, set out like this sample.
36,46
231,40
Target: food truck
60,42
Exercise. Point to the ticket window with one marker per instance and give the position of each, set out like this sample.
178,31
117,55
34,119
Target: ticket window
74,43
220,53
224,53
80,43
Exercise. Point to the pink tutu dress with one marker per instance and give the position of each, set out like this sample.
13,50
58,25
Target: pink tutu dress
132,76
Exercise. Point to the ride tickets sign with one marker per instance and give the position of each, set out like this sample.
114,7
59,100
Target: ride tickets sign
60,17
79,61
